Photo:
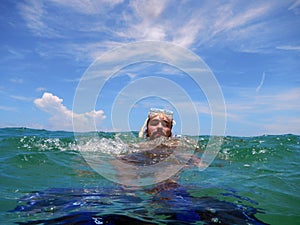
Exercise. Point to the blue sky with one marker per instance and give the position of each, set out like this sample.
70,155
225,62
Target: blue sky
251,47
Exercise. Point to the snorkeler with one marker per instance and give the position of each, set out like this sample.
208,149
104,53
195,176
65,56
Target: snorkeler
159,144
158,123
156,148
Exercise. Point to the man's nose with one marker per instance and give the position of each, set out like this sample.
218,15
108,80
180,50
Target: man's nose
159,129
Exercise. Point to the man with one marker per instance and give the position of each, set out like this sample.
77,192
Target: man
160,146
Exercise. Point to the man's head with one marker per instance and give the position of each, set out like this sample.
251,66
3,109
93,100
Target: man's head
159,123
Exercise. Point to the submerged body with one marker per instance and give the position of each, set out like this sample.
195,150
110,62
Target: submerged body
153,151
173,206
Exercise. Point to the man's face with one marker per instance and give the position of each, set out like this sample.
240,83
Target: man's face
159,125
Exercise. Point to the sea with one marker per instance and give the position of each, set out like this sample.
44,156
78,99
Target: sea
45,179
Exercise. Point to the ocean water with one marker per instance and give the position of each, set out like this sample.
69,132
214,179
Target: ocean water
46,180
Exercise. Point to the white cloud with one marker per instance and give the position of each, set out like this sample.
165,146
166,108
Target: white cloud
232,21
61,117
143,21
148,10
187,34
237,25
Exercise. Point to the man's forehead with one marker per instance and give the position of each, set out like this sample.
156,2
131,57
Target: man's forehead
161,116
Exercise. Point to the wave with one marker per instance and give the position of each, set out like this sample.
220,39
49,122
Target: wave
247,149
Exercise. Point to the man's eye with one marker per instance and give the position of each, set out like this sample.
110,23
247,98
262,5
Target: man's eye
154,122
164,123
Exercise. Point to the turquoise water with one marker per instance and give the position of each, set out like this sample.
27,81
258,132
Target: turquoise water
45,180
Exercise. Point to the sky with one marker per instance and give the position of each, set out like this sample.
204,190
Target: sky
251,49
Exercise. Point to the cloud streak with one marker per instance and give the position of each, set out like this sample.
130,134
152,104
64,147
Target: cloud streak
289,48
36,17
7,108
21,98
261,82
205,24
89,7
278,110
